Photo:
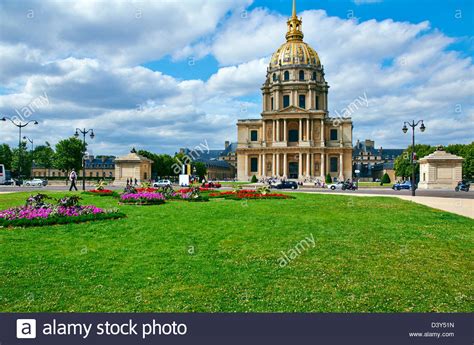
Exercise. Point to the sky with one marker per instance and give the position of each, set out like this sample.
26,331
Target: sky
165,74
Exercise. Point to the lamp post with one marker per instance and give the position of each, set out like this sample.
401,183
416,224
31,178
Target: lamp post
31,142
413,125
84,132
20,125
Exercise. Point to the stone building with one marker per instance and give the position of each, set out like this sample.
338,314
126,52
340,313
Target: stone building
101,167
440,170
372,162
220,164
295,137
132,166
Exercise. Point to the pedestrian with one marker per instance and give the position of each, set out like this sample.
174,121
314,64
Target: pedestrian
136,182
128,182
73,178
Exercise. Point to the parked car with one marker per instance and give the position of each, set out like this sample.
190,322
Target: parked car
462,186
35,182
337,185
287,185
211,185
162,183
403,185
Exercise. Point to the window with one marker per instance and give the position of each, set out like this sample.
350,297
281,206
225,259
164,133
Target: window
314,75
333,163
301,75
287,76
286,101
145,176
54,174
274,77
293,135
254,164
253,135
90,174
302,101
333,134
97,174
271,101
317,102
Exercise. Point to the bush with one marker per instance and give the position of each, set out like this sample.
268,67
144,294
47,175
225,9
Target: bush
385,178
328,178
254,179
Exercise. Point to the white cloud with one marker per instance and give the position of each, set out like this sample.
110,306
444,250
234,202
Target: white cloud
86,57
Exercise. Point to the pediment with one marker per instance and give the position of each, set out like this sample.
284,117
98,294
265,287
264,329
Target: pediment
293,109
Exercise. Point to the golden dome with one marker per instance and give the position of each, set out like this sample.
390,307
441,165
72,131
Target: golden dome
294,51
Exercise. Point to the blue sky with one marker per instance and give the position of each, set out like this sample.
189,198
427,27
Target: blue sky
163,75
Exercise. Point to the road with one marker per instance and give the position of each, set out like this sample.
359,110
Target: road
374,191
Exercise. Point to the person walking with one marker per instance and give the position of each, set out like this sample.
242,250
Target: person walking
73,179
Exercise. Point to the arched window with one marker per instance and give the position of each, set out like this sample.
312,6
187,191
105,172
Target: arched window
274,77
301,75
314,75
287,75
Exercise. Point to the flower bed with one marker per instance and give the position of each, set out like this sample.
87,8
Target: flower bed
38,212
101,192
249,194
143,198
201,189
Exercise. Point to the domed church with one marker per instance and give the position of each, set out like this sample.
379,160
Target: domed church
295,137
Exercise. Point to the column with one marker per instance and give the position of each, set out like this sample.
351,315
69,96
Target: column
278,130
311,129
277,100
246,165
300,165
277,164
341,166
263,130
301,131
259,165
322,168
273,165
308,173
285,131
285,165
307,129
310,95
274,131
264,102
264,167
322,132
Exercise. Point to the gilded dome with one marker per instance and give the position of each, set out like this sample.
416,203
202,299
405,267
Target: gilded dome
295,51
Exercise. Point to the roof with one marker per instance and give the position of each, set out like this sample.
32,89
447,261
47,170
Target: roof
441,155
385,153
209,155
133,157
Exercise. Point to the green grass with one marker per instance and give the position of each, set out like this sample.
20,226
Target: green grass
375,184
371,255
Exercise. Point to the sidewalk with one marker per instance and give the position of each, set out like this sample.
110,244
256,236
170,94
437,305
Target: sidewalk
462,207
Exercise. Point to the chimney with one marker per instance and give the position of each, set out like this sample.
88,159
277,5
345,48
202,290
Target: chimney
226,144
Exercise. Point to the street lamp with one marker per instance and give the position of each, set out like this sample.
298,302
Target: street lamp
84,132
20,125
31,142
413,125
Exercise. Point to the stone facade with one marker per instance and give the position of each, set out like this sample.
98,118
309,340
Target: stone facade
132,166
440,170
295,137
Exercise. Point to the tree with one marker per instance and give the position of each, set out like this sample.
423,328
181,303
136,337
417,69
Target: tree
69,154
201,170
21,161
466,152
328,178
254,179
6,156
43,156
385,178
403,165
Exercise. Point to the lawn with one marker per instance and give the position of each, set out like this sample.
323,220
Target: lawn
370,255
